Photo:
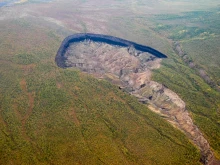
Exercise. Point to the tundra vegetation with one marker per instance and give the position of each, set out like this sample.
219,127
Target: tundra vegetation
50,115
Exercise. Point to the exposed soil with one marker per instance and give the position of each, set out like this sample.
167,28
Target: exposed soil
130,69
59,85
61,58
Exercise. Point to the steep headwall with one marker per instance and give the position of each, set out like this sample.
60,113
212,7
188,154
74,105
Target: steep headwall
129,66
60,59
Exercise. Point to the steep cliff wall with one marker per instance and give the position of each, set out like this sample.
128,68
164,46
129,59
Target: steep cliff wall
129,66
100,38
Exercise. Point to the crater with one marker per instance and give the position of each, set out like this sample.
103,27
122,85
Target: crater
128,65
122,62
104,39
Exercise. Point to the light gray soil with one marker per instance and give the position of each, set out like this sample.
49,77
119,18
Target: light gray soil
131,70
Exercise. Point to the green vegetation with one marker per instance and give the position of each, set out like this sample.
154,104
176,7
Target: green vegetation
189,25
205,52
25,59
53,116
198,35
201,100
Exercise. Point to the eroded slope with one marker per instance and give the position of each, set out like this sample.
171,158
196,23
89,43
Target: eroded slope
131,70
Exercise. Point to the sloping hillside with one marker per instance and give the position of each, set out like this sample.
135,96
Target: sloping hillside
55,116
50,115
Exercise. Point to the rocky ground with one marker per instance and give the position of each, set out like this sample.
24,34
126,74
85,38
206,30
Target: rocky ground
131,71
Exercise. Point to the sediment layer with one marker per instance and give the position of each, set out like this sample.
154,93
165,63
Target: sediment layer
129,66
101,38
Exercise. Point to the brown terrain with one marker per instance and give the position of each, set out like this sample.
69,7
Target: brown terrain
125,67
24,119
131,71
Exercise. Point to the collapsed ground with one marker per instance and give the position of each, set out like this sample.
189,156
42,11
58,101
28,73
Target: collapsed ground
27,57
130,69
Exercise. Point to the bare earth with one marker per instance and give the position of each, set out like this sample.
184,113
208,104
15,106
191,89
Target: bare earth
131,70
